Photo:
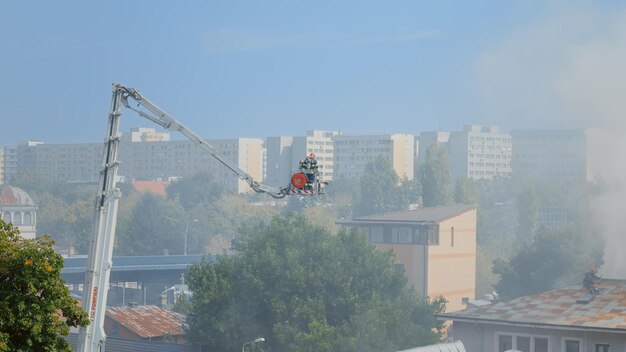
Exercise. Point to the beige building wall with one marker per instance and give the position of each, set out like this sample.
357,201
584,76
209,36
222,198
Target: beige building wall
452,264
352,153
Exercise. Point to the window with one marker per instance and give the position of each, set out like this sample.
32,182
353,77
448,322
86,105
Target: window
452,236
387,234
602,347
524,343
505,343
571,345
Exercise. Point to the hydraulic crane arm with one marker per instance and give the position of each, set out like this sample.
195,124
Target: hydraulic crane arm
166,121
92,338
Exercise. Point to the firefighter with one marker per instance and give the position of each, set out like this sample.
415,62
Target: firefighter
310,168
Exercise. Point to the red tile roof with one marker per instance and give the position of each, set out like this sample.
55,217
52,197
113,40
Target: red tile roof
148,321
606,310
157,187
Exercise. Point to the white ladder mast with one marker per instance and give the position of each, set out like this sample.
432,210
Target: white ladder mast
92,338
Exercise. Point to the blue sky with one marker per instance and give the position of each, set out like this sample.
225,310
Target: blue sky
269,68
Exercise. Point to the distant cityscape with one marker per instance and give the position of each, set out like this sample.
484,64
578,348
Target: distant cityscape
476,152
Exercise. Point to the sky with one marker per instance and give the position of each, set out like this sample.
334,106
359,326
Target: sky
256,69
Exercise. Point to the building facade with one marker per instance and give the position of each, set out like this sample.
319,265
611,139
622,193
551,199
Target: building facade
562,320
144,154
18,208
480,152
569,156
352,153
436,248
426,139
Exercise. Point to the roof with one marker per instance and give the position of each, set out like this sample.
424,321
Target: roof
558,308
14,196
148,321
156,187
419,215
441,347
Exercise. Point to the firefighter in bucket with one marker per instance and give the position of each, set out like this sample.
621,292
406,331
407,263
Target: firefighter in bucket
306,178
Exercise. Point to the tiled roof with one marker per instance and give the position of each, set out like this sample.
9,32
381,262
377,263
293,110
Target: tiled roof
156,187
429,214
148,321
606,310
14,196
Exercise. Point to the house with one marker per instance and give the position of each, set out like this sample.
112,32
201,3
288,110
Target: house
145,323
435,246
562,320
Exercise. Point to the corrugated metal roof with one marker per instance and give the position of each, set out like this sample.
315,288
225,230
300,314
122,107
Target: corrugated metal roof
558,307
441,347
148,321
429,214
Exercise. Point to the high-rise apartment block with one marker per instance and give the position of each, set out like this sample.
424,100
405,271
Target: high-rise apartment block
561,155
426,139
144,154
352,153
285,153
480,152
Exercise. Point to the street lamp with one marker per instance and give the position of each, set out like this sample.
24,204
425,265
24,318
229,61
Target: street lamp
186,230
260,339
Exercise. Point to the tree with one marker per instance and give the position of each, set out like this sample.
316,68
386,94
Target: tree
380,189
304,289
527,215
465,191
194,190
435,177
35,306
156,226
554,258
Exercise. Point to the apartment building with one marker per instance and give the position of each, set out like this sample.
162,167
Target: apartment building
480,152
426,139
285,153
352,153
143,154
568,156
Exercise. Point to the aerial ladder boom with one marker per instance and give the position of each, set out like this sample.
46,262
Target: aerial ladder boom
92,337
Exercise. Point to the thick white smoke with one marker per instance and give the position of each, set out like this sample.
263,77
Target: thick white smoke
568,70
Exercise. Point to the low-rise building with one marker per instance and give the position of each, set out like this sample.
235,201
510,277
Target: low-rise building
435,246
18,208
145,323
562,320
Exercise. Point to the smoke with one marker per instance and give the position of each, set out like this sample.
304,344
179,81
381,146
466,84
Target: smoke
567,70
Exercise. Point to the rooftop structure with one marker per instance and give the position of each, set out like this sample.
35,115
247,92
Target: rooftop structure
144,322
566,319
18,208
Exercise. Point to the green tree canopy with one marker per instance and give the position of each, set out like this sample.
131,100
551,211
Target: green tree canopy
35,306
194,190
380,189
527,215
435,177
554,258
304,289
156,226
465,191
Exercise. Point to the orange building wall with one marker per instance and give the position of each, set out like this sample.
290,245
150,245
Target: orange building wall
452,266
